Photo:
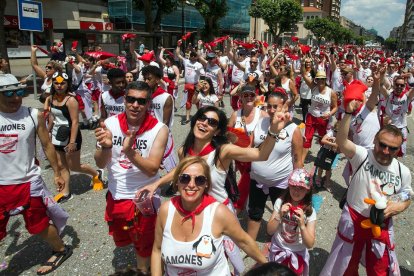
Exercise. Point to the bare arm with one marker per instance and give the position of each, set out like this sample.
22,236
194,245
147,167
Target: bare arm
161,57
332,62
346,146
177,51
297,146
33,59
373,98
156,261
167,111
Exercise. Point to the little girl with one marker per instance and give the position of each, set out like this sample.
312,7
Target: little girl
292,224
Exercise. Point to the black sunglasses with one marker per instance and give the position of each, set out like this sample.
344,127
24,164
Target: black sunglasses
210,121
399,85
185,179
384,146
132,100
49,67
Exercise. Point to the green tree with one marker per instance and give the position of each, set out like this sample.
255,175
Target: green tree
154,11
279,15
391,43
339,34
211,11
320,27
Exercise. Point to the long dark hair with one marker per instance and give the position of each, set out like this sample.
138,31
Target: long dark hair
307,201
218,140
210,82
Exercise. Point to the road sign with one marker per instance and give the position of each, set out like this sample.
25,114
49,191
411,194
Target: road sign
30,15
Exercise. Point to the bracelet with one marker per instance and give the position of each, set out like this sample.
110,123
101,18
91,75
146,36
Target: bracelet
73,143
349,113
273,135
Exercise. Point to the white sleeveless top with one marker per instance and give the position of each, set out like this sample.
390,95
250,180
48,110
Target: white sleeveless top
124,179
113,106
396,108
280,162
202,256
237,74
249,127
212,72
218,177
286,86
157,108
17,146
320,103
46,87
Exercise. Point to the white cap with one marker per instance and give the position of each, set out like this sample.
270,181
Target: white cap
9,82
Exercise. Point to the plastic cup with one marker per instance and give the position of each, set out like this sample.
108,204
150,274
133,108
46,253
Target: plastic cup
144,204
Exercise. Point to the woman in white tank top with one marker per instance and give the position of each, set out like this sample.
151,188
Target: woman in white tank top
289,85
190,227
323,106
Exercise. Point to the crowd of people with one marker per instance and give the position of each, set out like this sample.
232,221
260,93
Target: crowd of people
356,99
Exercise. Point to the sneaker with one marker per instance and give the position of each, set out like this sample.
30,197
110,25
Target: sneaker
61,198
185,122
84,126
98,183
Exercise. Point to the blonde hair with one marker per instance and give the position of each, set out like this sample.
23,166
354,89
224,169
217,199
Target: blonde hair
188,161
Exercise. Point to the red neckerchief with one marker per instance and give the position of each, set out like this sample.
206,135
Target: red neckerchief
292,208
206,150
157,92
176,201
148,123
116,96
401,95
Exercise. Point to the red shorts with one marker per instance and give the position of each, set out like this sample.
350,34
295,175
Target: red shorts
80,102
189,88
234,102
34,212
127,225
96,93
311,124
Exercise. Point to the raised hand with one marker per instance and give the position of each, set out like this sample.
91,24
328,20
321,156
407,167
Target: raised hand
103,136
129,141
280,118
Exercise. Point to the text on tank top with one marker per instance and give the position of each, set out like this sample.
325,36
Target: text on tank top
396,108
320,103
112,106
17,150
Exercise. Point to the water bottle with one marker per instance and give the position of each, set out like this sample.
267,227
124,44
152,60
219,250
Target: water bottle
400,197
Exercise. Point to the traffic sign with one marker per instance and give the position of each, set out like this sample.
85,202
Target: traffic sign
30,15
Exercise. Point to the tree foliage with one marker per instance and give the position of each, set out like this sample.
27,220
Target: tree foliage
329,29
211,11
154,11
279,15
391,43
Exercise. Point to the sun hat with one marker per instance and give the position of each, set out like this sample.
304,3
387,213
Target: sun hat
9,82
320,75
300,178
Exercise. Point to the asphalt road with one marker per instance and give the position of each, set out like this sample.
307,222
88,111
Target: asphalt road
94,250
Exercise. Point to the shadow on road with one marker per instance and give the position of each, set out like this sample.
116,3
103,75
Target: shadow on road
33,251
80,183
124,257
318,257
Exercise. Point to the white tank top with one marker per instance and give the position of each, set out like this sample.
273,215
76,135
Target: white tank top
157,108
304,90
280,161
218,177
320,103
192,71
17,146
113,106
212,72
337,81
237,74
249,127
46,87
124,179
202,256
396,108
286,86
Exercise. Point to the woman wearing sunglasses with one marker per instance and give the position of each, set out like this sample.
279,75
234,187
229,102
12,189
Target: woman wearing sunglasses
191,227
204,94
246,118
45,74
66,135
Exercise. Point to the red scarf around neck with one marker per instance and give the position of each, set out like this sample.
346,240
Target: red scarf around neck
148,123
117,95
206,150
292,208
206,201
157,92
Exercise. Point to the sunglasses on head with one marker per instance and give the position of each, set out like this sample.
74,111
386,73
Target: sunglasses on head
384,146
19,93
210,121
132,100
185,179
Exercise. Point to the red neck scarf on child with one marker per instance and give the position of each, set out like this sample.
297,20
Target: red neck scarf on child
206,201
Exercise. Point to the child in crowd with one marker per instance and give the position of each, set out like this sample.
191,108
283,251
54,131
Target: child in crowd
293,224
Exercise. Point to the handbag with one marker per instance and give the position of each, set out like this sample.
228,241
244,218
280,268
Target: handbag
62,133
231,184
325,158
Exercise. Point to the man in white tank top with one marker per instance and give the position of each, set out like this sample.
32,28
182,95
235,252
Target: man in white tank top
22,189
131,146
112,101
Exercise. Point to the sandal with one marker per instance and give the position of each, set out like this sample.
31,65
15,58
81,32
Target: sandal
60,257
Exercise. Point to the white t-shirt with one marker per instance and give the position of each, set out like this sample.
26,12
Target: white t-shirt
206,100
364,126
337,81
192,71
288,233
304,90
374,177
396,108
363,74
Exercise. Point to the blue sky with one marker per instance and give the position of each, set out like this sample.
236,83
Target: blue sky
382,15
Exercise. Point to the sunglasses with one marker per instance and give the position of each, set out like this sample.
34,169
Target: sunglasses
19,93
253,62
185,179
49,67
384,146
399,85
132,100
249,95
210,121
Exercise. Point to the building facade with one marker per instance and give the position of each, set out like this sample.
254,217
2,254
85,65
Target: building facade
331,8
406,39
